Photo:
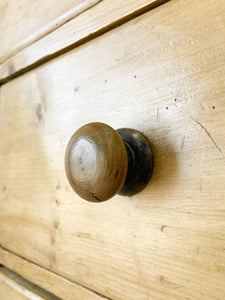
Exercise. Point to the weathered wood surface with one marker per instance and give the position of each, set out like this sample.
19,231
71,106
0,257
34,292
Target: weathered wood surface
14,287
24,22
47,280
100,18
163,74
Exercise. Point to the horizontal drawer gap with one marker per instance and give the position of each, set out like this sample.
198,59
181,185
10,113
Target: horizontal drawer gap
11,282
47,280
102,17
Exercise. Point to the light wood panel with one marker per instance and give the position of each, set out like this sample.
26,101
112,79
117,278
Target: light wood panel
93,22
14,287
24,22
163,74
47,280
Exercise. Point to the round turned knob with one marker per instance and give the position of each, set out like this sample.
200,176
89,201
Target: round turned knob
101,162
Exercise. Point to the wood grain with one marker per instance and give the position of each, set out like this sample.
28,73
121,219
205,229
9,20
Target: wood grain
162,74
101,18
23,23
96,162
14,287
47,280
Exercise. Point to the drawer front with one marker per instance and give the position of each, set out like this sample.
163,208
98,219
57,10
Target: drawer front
23,22
14,287
26,46
163,74
45,279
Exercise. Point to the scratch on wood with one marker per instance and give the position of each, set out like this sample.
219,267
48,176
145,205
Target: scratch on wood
40,112
201,185
182,144
209,135
157,114
137,262
52,259
84,235
162,280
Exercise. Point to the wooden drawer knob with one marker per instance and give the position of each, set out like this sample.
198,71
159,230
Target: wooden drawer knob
101,162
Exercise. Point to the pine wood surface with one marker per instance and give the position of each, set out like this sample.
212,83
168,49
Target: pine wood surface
94,21
14,287
162,74
24,22
55,284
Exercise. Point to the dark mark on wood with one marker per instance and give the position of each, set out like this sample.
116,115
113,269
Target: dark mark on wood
56,224
162,227
40,112
76,89
95,197
52,240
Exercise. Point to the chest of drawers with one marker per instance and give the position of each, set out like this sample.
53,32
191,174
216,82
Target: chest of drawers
162,73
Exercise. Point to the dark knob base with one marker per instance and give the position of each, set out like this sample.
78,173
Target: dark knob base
140,161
